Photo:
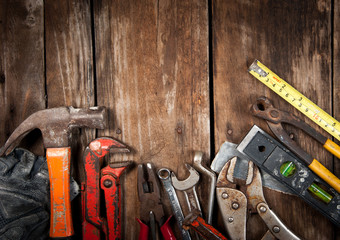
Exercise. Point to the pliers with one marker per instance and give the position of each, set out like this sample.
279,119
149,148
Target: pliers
239,193
151,207
263,108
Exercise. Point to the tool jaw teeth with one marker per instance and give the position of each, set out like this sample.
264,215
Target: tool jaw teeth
222,180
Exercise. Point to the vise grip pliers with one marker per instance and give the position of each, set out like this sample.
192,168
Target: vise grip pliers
106,179
239,190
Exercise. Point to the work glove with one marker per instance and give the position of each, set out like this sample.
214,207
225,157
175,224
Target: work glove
24,196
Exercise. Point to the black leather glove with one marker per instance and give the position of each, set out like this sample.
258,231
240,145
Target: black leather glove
23,196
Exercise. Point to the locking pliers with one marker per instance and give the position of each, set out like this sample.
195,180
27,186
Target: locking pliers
235,203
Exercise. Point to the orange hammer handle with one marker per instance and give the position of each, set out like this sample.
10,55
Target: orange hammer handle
58,160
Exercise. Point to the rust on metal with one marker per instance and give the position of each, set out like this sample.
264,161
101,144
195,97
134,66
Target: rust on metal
193,220
263,108
56,124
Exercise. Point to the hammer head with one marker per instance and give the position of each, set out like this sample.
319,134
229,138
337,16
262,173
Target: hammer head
56,124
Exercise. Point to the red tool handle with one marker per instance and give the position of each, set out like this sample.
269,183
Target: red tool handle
113,207
89,230
144,230
167,232
58,161
110,183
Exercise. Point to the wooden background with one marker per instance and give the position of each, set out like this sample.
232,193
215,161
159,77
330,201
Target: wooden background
173,75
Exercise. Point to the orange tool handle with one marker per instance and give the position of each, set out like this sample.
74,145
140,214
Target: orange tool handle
332,147
325,174
58,160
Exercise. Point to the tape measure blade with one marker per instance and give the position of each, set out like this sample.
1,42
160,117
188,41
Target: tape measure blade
295,98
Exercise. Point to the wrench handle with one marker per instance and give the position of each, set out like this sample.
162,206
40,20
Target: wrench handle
110,183
58,160
192,199
166,230
89,230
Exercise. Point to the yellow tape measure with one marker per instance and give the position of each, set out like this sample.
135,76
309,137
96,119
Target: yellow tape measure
295,98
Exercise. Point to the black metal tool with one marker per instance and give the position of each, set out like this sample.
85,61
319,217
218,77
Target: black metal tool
279,162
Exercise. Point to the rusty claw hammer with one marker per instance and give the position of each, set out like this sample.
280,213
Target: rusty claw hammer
55,125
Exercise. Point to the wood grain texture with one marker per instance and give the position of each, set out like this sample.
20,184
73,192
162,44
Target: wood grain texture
150,69
22,86
152,73
69,74
294,40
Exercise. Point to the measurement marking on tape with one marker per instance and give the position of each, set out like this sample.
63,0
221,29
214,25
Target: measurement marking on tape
295,98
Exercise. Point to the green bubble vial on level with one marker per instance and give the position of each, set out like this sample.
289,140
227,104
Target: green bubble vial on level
288,169
319,193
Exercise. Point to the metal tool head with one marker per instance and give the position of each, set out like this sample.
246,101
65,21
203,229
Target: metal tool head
274,118
198,157
149,193
263,108
188,183
55,125
251,179
104,145
235,172
228,151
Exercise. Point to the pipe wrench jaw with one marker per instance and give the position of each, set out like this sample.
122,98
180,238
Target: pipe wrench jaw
103,146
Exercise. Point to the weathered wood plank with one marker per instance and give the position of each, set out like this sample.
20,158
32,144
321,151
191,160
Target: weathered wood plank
22,86
152,72
69,72
292,39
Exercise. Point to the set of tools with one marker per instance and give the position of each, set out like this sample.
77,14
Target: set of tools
238,186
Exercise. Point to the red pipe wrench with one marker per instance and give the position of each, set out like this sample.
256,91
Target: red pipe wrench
106,179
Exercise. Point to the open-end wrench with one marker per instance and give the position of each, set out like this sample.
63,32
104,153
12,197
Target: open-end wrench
164,176
198,158
188,186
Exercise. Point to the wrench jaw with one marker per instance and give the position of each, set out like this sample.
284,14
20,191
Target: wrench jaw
188,186
188,183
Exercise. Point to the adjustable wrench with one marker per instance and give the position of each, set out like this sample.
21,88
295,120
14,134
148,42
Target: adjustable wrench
188,186
164,176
